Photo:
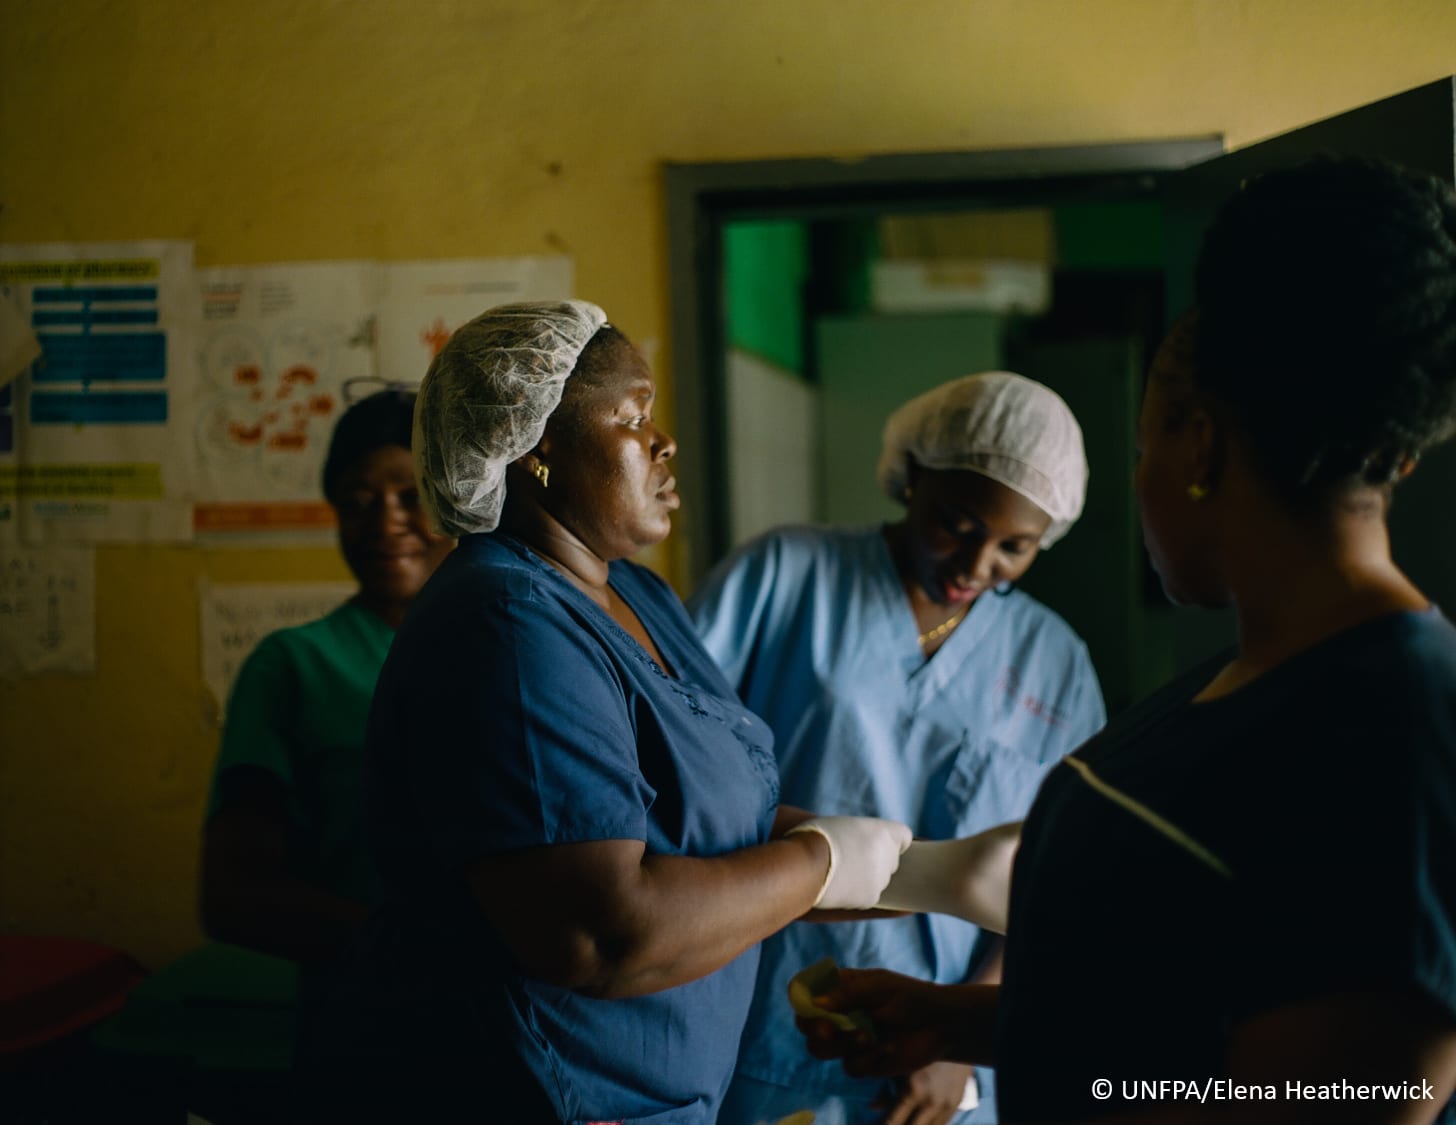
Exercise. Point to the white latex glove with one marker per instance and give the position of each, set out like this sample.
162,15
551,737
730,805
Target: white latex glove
969,878
863,853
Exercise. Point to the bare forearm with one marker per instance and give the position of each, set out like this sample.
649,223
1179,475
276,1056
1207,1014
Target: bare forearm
786,817
605,918
692,916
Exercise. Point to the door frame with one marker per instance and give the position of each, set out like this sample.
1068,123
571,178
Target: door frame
703,198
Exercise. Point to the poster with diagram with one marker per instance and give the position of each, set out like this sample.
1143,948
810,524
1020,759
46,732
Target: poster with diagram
278,350
285,349
88,433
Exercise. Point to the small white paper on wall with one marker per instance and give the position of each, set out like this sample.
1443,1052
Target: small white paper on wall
235,617
47,610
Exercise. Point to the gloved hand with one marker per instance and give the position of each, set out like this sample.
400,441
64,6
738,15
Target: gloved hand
969,878
863,853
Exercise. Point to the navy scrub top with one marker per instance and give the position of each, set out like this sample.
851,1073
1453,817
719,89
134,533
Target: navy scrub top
513,713
1199,863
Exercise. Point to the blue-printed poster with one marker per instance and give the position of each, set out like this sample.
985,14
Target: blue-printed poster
89,449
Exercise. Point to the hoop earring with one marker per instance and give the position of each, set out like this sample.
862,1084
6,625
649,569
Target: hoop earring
542,472
1198,493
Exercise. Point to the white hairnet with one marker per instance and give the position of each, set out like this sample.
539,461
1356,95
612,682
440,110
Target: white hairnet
485,400
1003,426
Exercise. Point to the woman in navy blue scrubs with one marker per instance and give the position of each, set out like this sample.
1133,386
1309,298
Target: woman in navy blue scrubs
574,821
1259,862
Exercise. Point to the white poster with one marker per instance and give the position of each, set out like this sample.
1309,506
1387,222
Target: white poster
285,349
280,349
47,610
421,303
89,448
235,617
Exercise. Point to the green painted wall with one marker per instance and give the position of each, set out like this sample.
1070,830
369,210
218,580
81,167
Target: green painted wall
764,267
1094,236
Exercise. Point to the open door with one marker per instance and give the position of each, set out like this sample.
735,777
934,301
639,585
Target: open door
703,198
1417,129
1099,580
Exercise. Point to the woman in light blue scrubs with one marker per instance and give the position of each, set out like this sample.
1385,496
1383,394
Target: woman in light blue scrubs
575,822
903,676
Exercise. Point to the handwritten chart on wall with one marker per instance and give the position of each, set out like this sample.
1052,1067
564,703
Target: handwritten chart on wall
47,611
235,617
90,453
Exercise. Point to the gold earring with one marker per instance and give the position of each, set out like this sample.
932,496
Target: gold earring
909,492
542,472
1198,492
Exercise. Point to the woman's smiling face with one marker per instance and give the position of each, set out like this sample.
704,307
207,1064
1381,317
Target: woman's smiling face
384,533
968,533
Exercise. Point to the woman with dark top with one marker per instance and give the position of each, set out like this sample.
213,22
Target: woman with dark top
575,821
1260,860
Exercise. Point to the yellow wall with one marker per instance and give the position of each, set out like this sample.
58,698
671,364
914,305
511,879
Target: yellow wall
298,129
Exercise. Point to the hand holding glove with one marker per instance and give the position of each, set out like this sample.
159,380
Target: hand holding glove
969,878
863,853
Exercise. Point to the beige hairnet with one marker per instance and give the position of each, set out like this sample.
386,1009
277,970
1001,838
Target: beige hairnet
485,400
1003,426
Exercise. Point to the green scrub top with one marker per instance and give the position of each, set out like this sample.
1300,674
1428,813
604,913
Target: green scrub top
298,709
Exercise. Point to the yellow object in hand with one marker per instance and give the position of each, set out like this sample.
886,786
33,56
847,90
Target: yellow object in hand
821,977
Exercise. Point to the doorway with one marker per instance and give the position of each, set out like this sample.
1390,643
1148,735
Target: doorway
831,324
745,414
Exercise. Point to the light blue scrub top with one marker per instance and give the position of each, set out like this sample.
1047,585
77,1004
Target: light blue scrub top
813,629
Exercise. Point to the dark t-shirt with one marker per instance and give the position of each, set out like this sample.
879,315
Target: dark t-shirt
514,713
1199,863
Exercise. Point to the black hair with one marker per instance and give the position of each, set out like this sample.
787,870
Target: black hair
1326,303
384,418
601,356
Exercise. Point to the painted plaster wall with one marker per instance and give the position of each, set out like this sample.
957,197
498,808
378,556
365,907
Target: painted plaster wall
307,129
